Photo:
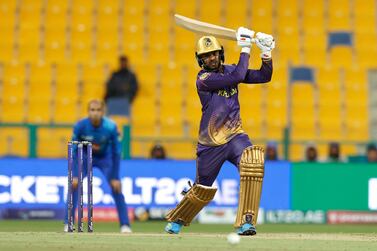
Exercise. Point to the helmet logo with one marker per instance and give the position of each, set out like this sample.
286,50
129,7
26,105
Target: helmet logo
207,42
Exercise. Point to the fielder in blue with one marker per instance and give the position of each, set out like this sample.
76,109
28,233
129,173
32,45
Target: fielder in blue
103,134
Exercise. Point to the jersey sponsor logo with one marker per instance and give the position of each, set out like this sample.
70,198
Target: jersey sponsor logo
226,93
204,76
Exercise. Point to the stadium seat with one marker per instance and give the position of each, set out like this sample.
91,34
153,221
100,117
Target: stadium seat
214,15
14,141
65,110
180,150
185,8
338,15
52,142
12,109
341,56
261,16
39,110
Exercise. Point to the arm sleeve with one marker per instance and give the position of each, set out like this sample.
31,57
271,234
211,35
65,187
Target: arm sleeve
263,75
215,81
116,150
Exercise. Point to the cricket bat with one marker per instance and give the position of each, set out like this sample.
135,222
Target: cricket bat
205,28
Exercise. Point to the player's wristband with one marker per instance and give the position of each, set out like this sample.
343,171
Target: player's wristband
246,50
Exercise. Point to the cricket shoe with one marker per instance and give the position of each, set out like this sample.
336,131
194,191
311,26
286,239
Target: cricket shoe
173,228
65,229
125,229
247,229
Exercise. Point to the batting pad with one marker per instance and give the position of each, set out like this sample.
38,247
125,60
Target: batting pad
191,204
251,177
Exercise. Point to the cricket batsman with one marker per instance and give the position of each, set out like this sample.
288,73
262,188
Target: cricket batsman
103,134
221,136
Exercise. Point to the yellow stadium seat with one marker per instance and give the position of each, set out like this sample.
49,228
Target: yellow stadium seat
29,51
39,110
364,40
108,13
185,54
12,109
14,71
141,149
315,56
341,56
297,152
142,124
330,121
338,15
313,16
107,51
30,12
328,76
314,40
65,110
357,129
210,11
236,14
67,71
56,14
94,72
365,23
82,52
40,72
366,57
68,88
356,76
6,50
13,87
94,88
253,123
186,8
180,150
261,16
14,141
193,115
40,88
52,142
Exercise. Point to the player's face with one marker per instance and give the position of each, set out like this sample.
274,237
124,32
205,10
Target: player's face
95,112
211,60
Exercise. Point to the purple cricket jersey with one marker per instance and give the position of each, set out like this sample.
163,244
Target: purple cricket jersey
218,93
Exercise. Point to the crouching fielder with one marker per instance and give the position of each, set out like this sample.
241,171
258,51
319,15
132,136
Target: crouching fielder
221,136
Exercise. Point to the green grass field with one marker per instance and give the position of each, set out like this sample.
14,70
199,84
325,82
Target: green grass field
48,235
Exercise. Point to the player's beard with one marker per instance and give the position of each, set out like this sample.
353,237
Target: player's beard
213,65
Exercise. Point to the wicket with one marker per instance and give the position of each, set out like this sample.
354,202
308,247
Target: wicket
80,166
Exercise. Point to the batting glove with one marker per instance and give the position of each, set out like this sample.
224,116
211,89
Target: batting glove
266,44
244,39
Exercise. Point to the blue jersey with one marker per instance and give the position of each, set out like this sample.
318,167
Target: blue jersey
104,138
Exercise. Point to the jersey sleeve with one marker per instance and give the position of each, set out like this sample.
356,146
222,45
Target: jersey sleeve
211,81
263,75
